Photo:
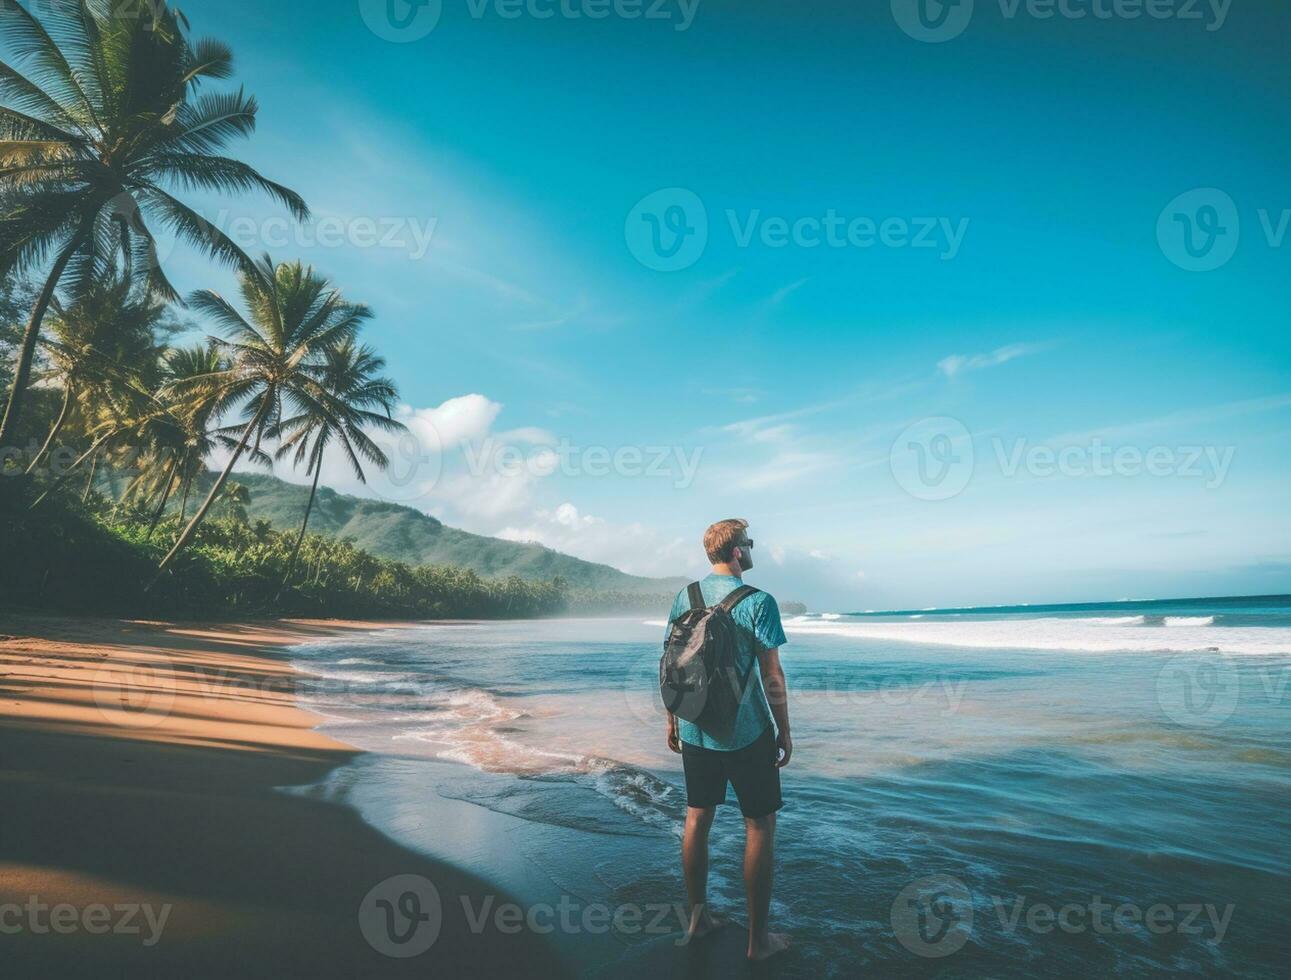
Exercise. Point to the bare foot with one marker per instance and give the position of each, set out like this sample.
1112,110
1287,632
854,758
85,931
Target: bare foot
702,924
775,942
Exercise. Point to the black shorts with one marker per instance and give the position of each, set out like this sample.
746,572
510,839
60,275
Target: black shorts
752,770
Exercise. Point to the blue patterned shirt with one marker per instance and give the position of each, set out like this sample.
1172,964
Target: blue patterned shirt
758,617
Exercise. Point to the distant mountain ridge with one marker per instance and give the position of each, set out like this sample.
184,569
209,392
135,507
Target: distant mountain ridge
405,534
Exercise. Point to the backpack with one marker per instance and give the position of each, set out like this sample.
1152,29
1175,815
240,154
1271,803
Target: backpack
698,670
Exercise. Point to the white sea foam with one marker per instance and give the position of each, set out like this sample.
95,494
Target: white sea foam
1187,634
1109,620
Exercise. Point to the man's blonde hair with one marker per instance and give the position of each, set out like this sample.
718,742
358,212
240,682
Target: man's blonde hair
721,538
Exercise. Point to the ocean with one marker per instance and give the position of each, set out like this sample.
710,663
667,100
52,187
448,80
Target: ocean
1045,791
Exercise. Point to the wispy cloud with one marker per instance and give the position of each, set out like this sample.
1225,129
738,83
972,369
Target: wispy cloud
700,293
785,467
559,320
744,396
490,282
1186,420
781,294
870,393
957,364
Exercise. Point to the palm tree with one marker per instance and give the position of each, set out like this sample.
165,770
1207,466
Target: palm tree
123,417
106,119
104,338
351,389
295,315
195,404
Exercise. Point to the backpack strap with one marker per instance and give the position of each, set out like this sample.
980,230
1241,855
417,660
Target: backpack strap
736,597
729,604
696,596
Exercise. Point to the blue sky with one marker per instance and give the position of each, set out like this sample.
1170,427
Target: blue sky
1007,259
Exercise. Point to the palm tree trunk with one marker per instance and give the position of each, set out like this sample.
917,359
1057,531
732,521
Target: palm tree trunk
291,562
161,508
58,425
183,504
191,528
63,479
89,483
27,352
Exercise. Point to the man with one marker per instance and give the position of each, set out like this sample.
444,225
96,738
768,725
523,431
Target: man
749,757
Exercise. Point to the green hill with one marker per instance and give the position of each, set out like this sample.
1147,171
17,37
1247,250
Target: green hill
405,534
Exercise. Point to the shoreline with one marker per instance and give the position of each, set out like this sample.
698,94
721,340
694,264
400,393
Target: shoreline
140,764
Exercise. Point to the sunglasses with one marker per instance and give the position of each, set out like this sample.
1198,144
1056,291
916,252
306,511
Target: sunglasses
746,543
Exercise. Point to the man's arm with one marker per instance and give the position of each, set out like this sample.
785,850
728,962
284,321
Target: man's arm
773,683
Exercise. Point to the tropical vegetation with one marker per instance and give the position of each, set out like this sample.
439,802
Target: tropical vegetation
112,412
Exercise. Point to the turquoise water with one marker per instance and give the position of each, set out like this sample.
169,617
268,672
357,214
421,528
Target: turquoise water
1049,791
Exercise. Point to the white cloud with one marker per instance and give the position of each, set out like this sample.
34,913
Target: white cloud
781,294
633,548
785,467
450,464
957,364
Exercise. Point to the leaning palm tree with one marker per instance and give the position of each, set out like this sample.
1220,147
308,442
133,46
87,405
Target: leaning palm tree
106,337
121,418
276,352
105,123
173,442
195,403
351,389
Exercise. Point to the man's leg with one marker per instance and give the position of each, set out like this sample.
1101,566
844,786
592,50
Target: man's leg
694,865
759,858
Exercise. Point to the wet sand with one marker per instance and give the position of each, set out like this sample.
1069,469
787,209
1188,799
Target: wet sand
142,834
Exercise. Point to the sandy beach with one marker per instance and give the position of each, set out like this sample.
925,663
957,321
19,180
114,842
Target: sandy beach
142,833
